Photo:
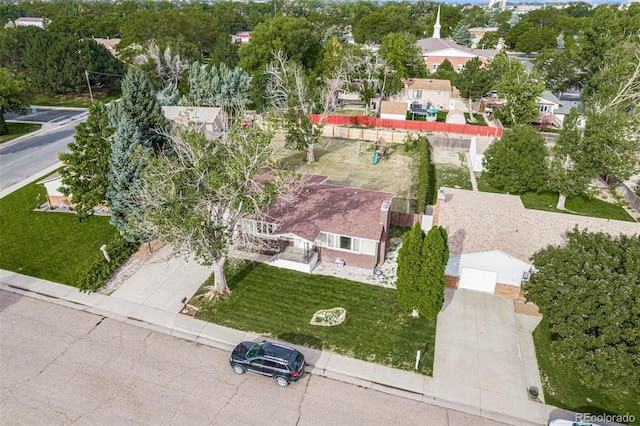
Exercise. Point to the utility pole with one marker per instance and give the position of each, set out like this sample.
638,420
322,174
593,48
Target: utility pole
86,74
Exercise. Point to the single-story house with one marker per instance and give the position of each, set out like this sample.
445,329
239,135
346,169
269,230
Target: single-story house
492,272
349,226
211,120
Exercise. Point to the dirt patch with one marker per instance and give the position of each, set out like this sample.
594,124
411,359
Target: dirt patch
131,266
448,156
350,163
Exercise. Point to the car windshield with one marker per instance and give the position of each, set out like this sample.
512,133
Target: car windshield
255,350
298,362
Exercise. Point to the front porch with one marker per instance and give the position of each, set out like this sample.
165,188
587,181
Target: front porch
296,258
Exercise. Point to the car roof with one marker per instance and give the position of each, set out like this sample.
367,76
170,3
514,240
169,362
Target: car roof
279,351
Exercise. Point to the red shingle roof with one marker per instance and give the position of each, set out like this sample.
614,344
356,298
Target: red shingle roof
331,208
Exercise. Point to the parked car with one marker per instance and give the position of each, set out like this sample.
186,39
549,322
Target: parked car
286,365
563,422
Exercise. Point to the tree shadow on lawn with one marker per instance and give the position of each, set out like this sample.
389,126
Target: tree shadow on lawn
239,272
302,339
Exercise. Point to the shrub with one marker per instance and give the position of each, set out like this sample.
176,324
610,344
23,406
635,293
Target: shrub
426,177
99,270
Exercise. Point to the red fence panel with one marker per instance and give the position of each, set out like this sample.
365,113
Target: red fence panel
422,126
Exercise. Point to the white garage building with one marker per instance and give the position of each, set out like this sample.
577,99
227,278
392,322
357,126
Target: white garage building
489,271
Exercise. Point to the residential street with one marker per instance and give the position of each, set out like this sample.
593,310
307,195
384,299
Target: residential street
30,154
61,366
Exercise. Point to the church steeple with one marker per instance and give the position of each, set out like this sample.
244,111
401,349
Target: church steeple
436,27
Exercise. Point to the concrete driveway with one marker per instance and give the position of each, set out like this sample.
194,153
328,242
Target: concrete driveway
484,346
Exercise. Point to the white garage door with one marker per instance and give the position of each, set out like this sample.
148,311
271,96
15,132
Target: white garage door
476,279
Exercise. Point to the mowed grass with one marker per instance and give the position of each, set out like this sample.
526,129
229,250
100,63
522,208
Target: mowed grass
82,100
48,245
19,129
450,176
280,303
562,387
583,206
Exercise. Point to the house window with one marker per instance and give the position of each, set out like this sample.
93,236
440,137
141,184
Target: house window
435,66
417,94
340,242
545,108
460,67
438,93
439,106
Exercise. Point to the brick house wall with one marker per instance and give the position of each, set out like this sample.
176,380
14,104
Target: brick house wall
350,259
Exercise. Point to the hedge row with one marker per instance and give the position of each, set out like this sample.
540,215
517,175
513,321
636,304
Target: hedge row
427,192
99,270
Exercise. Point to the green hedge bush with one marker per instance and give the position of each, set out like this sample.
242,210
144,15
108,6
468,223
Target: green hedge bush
426,177
99,270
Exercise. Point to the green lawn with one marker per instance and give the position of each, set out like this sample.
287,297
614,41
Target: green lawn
483,185
82,100
452,176
52,246
480,121
583,206
563,389
280,303
19,129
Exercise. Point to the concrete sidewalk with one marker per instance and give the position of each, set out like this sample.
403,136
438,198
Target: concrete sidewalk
161,317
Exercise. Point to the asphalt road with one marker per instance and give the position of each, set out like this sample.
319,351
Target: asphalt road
62,366
29,155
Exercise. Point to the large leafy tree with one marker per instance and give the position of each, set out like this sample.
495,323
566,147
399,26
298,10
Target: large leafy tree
401,52
12,88
589,294
408,283
435,255
57,63
517,162
521,91
473,81
612,115
296,37
85,175
291,96
570,168
197,199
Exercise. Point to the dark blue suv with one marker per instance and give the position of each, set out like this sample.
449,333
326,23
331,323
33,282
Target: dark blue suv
284,364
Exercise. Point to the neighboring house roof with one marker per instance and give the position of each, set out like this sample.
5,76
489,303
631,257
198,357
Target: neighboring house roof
447,47
109,43
387,107
195,115
568,101
30,20
547,95
428,84
336,209
510,269
482,221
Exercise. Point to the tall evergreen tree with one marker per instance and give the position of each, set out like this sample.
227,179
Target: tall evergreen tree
141,105
409,269
432,283
126,163
86,173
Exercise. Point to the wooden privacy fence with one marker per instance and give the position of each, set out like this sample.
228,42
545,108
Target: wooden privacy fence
405,219
418,126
